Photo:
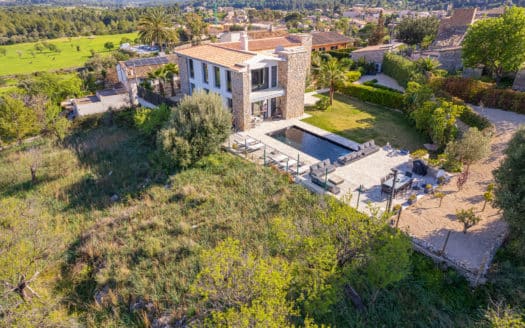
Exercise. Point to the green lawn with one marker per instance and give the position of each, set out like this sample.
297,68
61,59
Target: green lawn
12,63
359,121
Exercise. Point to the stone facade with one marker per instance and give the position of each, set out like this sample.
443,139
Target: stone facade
241,100
184,75
450,60
292,76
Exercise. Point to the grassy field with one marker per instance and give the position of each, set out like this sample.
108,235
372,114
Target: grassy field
46,60
361,122
116,240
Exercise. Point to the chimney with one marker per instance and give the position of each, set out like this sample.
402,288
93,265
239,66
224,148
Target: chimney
244,41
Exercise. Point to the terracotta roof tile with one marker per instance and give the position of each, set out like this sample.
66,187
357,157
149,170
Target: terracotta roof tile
321,38
214,54
263,44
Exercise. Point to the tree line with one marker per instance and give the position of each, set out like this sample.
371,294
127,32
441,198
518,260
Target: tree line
27,24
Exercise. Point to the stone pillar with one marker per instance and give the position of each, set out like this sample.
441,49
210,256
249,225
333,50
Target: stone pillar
241,100
292,77
184,75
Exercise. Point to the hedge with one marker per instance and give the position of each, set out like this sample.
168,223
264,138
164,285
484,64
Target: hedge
399,68
382,97
474,91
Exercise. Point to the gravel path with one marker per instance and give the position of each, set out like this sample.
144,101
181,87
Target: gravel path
383,80
429,224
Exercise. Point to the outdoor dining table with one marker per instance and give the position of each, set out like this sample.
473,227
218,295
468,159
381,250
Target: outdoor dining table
401,182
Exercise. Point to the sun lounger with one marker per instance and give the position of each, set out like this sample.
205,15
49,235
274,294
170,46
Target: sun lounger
255,147
290,162
277,158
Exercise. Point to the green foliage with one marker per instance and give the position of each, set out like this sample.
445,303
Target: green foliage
17,121
437,120
332,75
55,87
510,190
468,218
379,31
419,154
416,95
414,30
323,104
240,287
484,44
149,121
399,68
109,45
473,146
197,128
473,119
156,27
377,96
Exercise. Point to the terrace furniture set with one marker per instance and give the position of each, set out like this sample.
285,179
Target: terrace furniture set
283,162
319,175
363,150
402,186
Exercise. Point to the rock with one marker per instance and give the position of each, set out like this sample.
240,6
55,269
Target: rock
115,198
101,294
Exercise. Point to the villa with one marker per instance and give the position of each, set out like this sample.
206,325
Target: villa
260,79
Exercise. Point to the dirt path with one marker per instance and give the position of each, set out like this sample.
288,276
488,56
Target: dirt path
429,224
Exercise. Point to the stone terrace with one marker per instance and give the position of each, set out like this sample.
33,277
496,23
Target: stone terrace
366,171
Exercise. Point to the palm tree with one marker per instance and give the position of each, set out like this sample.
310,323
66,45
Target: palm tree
155,28
163,73
427,65
331,74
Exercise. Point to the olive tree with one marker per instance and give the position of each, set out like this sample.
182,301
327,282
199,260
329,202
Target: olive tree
197,128
471,148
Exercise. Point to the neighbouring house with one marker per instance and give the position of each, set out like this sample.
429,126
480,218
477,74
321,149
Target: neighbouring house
322,41
101,102
446,47
258,79
374,54
132,73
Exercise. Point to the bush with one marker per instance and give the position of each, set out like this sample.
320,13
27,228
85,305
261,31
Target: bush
197,128
473,119
377,96
323,104
399,68
475,91
149,121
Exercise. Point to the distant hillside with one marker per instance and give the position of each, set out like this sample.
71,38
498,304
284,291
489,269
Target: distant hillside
284,4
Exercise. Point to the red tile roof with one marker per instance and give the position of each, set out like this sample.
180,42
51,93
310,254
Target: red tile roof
323,38
263,44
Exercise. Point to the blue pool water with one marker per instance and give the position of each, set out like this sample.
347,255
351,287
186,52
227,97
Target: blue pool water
310,143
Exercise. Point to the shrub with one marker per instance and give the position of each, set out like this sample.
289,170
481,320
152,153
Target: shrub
197,128
473,119
323,104
399,68
475,91
377,96
373,83
149,121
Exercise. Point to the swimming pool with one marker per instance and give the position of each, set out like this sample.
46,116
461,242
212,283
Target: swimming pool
310,143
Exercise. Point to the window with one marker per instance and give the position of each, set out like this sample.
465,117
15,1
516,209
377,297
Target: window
229,81
229,102
333,48
217,76
192,70
322,49
192,87
274,76
205,72
260,79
